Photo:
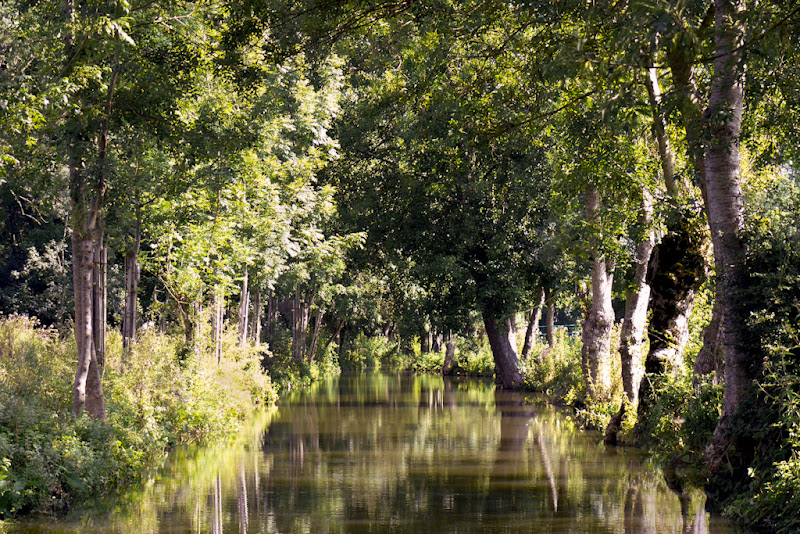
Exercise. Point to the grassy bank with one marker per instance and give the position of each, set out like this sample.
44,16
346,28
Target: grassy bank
158,397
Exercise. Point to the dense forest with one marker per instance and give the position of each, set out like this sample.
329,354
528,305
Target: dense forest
204,203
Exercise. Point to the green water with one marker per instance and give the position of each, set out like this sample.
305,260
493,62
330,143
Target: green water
377,454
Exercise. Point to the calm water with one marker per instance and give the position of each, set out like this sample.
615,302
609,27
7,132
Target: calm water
377,454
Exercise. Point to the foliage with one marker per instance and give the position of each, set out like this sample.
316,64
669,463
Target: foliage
769,499
52,460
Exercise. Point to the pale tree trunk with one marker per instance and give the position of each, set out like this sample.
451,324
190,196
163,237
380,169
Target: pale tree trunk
132,274
681,67
532,331
596,328
632,331
244,309
726,218
436,342
638,298
217,322
502,343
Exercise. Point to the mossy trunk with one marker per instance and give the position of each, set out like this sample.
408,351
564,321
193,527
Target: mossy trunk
677,269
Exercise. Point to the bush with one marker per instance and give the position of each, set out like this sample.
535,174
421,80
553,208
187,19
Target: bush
156,399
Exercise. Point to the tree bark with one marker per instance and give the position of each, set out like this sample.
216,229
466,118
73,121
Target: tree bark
532,331
632,332
596,328
638,298
99,298
677,270
218,320
87,389
503,350
132,274
244,309
726,219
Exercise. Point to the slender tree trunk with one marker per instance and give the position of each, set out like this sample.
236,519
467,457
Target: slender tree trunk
132,274
638,298
218,321
244,309
632,332
532,331
503,350
726,218
87,389
596,335
99,298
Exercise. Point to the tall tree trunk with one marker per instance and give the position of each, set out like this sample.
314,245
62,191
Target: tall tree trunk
677,270
681,66
99,298
726,218
218,320
244,309
132,274
503,350
596,333
87,388
532,331
632,332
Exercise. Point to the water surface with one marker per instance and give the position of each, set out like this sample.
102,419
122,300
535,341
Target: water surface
382,454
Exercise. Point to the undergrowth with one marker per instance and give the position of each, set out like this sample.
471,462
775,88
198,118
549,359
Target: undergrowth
157,397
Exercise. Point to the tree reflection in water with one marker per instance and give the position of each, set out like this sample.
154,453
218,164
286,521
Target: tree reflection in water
408,454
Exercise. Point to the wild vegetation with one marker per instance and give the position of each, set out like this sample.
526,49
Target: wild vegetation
205,203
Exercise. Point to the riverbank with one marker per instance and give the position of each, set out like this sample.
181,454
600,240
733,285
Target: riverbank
158,397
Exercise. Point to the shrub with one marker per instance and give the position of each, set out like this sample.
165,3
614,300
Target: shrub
156,399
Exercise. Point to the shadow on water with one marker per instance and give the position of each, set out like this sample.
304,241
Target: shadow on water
378,453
